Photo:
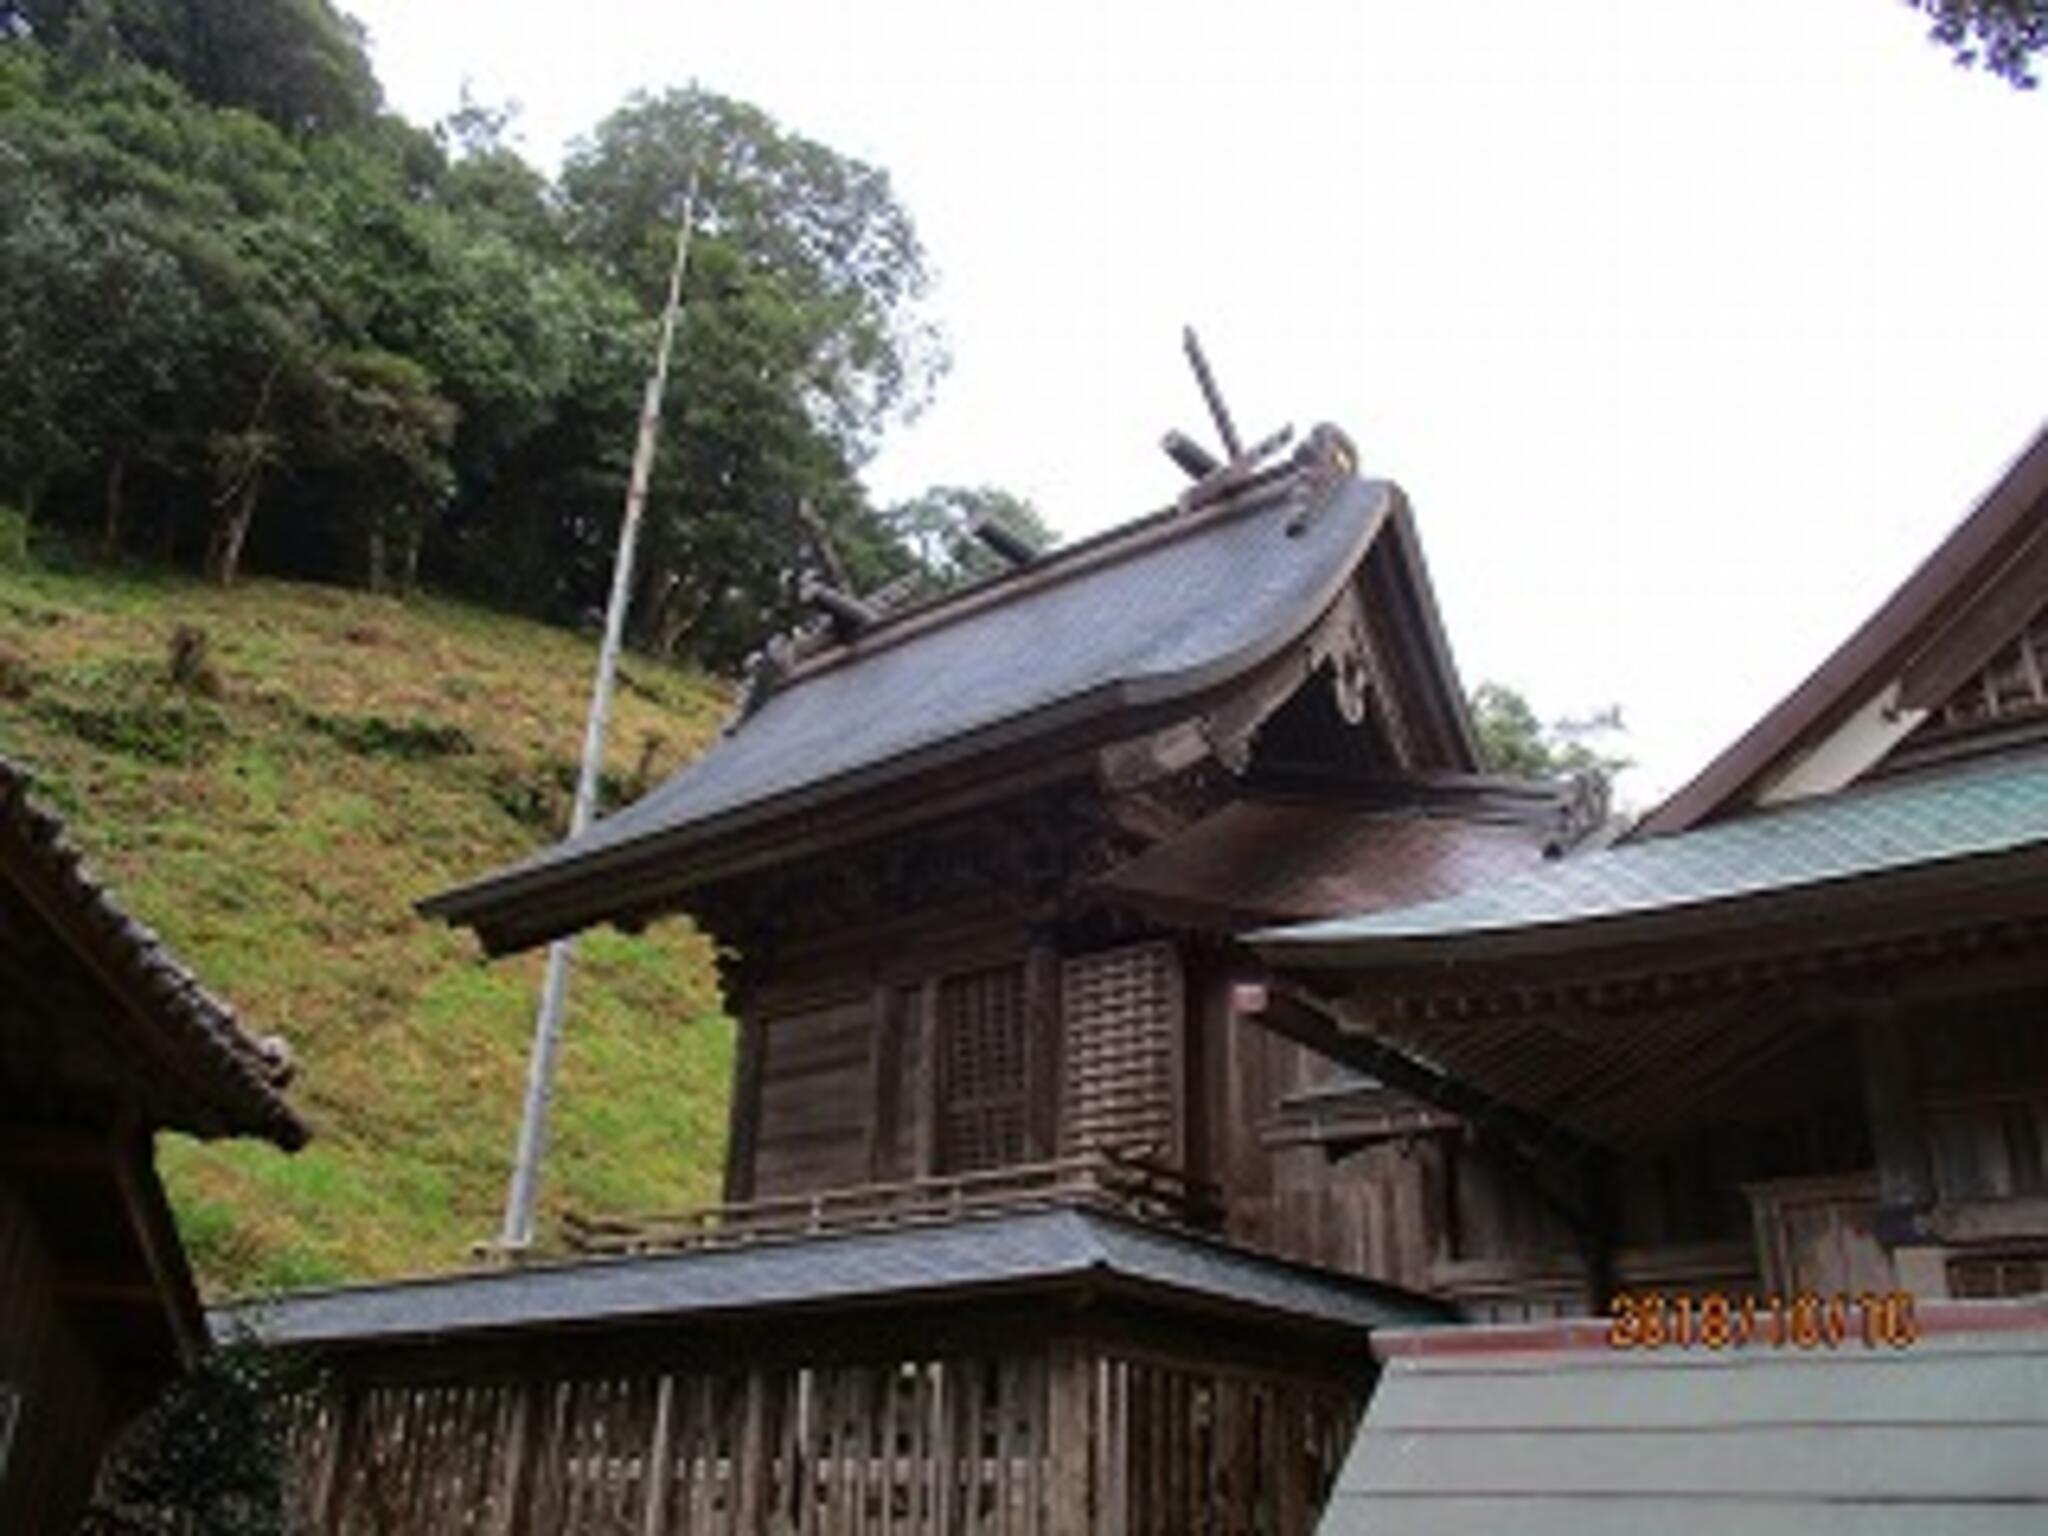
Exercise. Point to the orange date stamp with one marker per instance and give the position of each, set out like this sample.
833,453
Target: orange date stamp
1721,1320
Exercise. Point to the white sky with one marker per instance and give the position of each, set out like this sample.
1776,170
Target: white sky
1688,325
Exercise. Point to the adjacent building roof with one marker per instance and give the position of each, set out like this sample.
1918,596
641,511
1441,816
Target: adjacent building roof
1972,813
186,1042
1030,1249
1928,610
1548,1430
1092,643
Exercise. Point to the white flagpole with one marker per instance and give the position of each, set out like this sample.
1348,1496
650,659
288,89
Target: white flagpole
524,1190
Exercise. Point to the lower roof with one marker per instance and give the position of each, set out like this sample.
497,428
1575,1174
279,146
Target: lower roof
1541,1429
1282,860
959,1260
1962,816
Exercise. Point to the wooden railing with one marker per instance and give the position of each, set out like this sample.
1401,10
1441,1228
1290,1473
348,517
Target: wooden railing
1118,1181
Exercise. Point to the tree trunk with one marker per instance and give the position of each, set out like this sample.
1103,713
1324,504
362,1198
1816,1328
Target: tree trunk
224,545
409,563
110,528
31,500
379,581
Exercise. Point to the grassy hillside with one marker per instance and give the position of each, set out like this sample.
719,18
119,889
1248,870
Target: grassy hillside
355,754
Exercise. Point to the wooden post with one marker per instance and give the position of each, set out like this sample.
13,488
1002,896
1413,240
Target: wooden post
1292,1515
327,1479
931,1095
745,1113
661,1458
1042,1053
885,1085
1069,1498
515,1478
1898,1133
755,1455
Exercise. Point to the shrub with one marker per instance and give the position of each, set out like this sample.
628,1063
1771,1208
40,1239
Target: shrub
209,1456
13,537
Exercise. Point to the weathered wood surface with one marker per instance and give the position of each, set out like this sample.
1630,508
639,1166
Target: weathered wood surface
65,1408
1101,1179
1067,1438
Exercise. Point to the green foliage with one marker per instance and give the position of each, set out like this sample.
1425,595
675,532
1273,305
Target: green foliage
410,740
938,528
209,1456
231,285
130,708
350,765
803,339
300,63
1513,740
2003,37
13,536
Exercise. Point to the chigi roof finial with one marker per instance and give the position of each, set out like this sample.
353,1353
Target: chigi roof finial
1214,477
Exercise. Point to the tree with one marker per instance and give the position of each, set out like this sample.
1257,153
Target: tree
1513,740
937,529
383,421
300,63
802,338
819,234
2001,36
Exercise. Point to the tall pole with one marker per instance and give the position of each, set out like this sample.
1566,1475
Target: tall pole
524,1190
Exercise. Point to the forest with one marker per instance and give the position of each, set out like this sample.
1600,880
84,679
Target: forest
253,320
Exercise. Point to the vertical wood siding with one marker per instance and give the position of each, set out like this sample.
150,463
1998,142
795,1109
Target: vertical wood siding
817,1099
63,1418
1047,1442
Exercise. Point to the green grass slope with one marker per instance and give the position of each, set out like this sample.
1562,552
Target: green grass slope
356,754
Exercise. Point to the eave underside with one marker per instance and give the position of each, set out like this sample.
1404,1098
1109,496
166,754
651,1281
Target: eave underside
1628,1045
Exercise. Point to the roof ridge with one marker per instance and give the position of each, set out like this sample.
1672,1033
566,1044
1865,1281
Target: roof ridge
1125,541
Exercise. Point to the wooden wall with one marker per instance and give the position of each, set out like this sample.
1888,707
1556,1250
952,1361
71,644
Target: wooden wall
984,1043
1048,1436
66,1413
817,1107
1981,1070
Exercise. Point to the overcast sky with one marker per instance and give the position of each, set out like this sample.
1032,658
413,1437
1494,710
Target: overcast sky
1688,325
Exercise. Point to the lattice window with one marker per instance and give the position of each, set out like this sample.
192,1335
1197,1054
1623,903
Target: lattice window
2015,683
981,1070
1122,1020
1984,1276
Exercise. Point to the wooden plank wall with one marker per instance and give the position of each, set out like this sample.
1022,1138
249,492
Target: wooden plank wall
65,1410
904,1447
1377,1213
1194,1446
817,1098
1052,1441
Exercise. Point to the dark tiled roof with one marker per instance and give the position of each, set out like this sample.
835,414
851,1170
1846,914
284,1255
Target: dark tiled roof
1035,1248
1153,614
1950,1434
1963,811
241,1078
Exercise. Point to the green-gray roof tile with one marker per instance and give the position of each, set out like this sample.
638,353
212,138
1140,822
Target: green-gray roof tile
1969,810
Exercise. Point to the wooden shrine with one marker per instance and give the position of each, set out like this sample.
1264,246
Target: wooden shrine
975,868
